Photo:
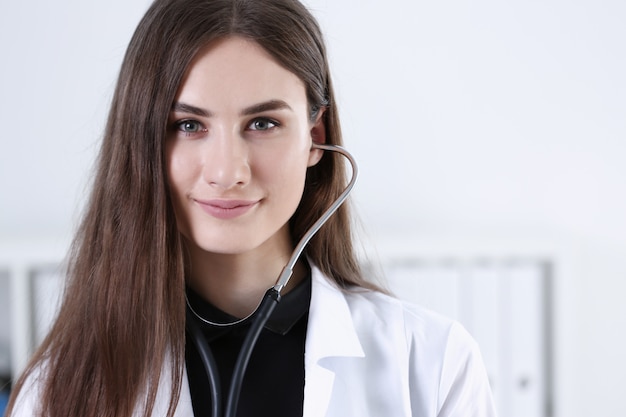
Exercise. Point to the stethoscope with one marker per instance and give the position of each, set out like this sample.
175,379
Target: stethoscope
263,311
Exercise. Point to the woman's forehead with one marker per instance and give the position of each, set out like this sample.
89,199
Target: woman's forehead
236,69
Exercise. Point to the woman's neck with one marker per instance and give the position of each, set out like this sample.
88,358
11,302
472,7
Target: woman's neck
236,283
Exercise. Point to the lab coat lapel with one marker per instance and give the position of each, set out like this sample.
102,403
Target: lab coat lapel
330,333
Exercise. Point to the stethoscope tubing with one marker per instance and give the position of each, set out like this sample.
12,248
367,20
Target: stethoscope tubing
263,312
288,269
208,360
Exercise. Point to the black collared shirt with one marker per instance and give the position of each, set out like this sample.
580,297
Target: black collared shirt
273,384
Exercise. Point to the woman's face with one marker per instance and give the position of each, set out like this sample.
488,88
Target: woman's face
238,147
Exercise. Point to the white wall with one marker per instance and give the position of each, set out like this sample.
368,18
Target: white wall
472,121
59,64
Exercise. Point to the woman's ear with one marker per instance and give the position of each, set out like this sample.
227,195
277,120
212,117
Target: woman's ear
318,135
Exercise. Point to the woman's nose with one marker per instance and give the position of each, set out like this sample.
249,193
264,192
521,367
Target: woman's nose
226,162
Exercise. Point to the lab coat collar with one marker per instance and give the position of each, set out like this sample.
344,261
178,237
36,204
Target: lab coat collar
330,333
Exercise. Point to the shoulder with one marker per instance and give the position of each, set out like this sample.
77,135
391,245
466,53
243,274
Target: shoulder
423,331
436,357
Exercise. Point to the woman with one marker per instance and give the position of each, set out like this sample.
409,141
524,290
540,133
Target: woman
207,177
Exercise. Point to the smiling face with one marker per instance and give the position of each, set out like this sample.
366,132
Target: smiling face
238,147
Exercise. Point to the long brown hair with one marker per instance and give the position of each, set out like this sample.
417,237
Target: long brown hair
123,310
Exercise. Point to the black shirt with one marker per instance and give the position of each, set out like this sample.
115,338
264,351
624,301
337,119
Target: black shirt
273,384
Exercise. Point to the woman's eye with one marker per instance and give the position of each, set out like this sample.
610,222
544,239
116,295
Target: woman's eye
190,126
262,124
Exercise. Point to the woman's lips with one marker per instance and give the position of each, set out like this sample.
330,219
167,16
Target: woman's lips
226,209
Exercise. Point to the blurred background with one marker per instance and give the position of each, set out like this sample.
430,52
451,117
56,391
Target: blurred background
491,138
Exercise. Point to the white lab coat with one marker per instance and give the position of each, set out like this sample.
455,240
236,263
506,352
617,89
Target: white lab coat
368,354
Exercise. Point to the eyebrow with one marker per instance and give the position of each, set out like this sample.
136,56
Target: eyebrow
266,106
248,111
188,108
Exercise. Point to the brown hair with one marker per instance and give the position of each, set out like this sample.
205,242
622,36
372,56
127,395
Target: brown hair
124,308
